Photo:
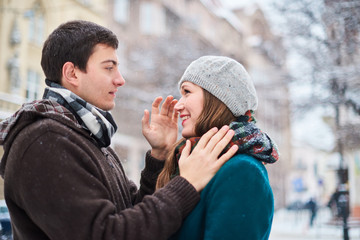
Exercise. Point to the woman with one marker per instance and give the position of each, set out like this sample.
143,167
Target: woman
238,202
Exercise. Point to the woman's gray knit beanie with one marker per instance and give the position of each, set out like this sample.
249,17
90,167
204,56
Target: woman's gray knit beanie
226,79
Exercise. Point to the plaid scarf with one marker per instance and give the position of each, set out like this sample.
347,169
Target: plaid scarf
100,123
249,138
39,106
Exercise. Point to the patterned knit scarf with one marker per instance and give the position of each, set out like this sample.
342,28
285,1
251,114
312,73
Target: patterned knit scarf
42,107
100,123
250,139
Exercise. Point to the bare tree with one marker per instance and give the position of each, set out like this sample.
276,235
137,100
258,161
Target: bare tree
325,34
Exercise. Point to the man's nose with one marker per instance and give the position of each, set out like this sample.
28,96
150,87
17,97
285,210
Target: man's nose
119,80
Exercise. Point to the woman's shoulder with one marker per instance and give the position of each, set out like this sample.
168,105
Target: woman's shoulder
244,163
240,169
241,174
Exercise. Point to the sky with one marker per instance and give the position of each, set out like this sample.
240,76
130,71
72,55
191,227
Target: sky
231,4
235,3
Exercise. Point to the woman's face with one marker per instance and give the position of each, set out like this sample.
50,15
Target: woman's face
190,107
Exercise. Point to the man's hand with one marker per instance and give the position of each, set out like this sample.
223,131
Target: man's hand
203,163
161,132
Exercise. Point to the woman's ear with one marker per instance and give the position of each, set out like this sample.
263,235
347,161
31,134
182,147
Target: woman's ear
69,79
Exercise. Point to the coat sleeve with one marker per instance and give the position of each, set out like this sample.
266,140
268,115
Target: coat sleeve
239,202
148,178
59,192
149,175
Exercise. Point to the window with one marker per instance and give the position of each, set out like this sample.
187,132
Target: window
85,2
152,19
121,10
13,66
33,83
36,26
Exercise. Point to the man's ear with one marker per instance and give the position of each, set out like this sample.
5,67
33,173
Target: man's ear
69,78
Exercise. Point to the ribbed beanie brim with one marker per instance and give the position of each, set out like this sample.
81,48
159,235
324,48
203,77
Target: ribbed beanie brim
226,79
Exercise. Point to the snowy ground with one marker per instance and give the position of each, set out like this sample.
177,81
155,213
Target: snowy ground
294,225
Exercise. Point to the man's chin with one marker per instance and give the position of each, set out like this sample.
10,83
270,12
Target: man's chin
107,107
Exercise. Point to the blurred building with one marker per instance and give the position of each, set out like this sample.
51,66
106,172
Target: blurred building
156,45
24,26
265,61
313,174
160,38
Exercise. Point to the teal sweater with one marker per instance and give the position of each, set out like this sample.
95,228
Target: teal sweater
236,204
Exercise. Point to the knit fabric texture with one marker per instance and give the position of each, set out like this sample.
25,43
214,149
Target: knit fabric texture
249,138
226,79
100,123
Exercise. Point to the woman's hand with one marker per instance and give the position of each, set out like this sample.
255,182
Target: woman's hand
203,162
161,132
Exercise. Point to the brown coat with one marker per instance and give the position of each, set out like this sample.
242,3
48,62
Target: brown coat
60,185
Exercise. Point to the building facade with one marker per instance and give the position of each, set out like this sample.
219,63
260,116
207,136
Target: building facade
160,38
24,26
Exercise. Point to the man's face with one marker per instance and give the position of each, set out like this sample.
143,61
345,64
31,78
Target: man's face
102,78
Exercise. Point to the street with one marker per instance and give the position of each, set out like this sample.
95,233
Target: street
294,225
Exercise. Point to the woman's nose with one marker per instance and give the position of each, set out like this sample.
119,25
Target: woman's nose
179,105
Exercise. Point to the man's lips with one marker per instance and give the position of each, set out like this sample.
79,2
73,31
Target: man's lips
113,92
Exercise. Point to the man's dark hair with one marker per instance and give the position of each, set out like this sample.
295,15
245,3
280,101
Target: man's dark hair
74,42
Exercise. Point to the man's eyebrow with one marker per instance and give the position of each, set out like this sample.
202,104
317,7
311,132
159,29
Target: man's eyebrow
112,61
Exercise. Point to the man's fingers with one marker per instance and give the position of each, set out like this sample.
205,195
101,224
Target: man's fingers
205,138
145,120
216,139
175,116
155,105
222,143
186,151
226,156
166,105
171,108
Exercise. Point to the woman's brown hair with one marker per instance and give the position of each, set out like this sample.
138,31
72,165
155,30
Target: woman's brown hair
214,114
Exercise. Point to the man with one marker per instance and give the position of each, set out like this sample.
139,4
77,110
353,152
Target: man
63,181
